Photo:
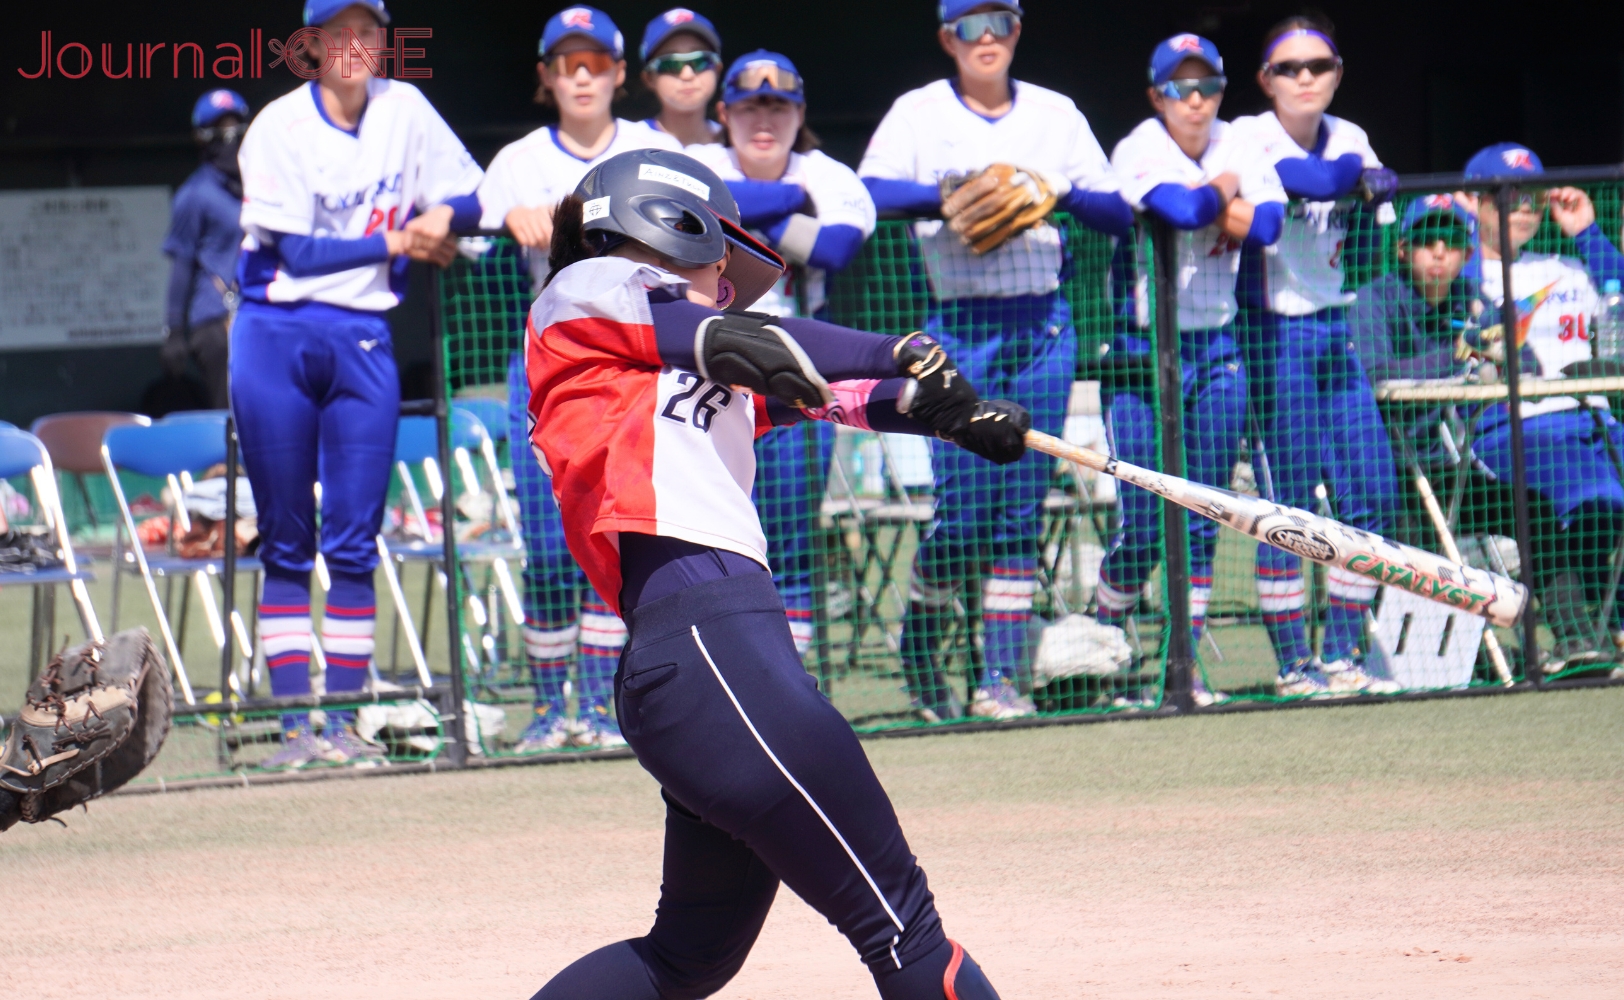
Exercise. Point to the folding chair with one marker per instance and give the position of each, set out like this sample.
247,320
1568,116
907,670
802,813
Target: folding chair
22,453
74,441
171,449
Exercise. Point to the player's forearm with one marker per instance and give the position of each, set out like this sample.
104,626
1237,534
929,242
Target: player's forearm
1183,207
1102,211
1602,259
866,404
178,296
802,239
465,212
765,203
903,197
837,352
1320,180
309,256
1268,221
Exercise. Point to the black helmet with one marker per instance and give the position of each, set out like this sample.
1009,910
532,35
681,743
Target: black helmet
677,207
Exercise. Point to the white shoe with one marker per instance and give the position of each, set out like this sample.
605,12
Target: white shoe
1301,679
546,734
1001,701
1204,696
1348,677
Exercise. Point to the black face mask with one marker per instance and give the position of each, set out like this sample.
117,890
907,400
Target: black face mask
222,154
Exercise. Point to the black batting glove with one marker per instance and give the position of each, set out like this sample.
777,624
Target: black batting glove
940,398
996,431
747,349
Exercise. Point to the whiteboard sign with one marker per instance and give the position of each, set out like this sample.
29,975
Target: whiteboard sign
82,267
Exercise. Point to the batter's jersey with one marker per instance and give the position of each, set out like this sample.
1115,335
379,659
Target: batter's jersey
1556,307
837,198
305,176
632,445
1302,272
930,133
1208,258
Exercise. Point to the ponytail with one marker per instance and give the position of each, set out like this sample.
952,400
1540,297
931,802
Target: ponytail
569,238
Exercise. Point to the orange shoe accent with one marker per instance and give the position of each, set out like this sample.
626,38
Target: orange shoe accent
952,972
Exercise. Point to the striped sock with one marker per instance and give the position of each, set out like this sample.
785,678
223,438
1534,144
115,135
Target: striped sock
284,635
603,635
1350,596
347,627
1280,594
1115,602
548,647
1200,597
798,609
1006,611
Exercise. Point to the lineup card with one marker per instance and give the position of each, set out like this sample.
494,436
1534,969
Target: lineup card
82,267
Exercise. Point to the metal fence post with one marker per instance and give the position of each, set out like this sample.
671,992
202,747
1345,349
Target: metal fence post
448,522
1519,462
1175,529
228,583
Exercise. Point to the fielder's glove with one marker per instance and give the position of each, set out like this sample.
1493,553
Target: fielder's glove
96,716
940,398
997,431
990,207
747,349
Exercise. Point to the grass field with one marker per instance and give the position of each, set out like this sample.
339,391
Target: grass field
1465,848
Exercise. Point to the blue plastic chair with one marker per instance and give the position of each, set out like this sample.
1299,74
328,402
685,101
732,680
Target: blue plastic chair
22,454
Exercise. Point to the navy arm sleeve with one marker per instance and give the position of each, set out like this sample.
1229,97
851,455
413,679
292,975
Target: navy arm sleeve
906,197
1268,221
1315,179
1602,259
307,256
762,203
1185,208
839,353
1103,211
465,212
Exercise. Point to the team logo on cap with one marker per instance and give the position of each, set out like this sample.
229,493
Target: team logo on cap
577,17
1518,159
1439,201
1184,43
222,99
678,15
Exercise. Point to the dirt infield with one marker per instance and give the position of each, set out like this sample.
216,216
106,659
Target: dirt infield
1466,849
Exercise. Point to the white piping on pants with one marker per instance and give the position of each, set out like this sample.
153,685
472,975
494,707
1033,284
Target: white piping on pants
804,794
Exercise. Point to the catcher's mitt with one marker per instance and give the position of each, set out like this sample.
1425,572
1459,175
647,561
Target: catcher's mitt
990,207
96,716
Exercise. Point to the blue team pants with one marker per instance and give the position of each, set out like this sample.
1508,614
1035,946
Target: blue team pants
1214,387
1021,348
792,470
316,397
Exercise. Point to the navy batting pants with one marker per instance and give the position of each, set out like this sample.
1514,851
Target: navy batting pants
764,782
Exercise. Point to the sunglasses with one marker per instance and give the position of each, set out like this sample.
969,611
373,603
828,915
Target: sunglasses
766,73
1295,67
1206,86
225,133
596,61
998,24
1527,201
673,65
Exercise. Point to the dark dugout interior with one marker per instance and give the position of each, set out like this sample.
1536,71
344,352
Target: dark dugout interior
1430,82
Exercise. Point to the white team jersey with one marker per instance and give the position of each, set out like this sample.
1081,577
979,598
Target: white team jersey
303,175
929,133
1558,302
1208,258
1303,271
837,197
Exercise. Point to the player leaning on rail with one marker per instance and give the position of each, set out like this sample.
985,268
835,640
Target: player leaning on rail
646,398
993,155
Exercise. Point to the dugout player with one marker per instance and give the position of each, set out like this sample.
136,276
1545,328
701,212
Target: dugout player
344,179
582,68
1317,412
204,236
1184,167
647,434
682,58
815,212
1565,440
1002,316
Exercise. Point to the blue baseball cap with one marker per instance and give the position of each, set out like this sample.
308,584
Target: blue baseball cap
1437,212
319,12
773,74
1164,61
673,21
587,22
215,105
952,10
1503,159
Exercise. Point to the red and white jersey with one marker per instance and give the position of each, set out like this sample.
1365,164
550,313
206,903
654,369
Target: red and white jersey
1303,271
1556,308
305,176
1208,258
632,445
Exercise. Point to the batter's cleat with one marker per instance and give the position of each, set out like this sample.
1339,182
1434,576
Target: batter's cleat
546,732
1349,677
300,748
349,748
964,979
1001,701
1301,679
1204,696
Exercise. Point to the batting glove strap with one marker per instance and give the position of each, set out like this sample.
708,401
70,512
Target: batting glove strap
938,396
996,431
747,349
